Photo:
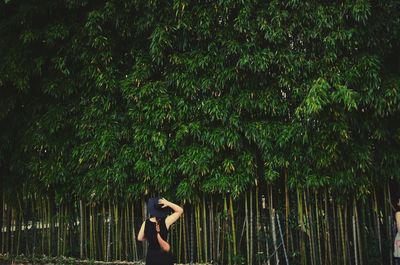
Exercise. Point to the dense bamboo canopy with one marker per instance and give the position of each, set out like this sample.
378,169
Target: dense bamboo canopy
118,100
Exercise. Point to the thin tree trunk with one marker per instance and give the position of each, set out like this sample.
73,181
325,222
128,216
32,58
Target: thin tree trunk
205,230
303,257
12,231
116,234
354,234
326,234
342,234
134,245
180,243
317,213
247,229
2,219
378,225
26,206
211,230
185,243
273,227
251,227
191,235
233,228
2,211
109,232
81,229
258,226
126,230
358,233
227,232
287,210
264,207
198,233
310,226
91,240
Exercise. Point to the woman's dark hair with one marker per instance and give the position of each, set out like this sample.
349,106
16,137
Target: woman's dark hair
158,219
394,187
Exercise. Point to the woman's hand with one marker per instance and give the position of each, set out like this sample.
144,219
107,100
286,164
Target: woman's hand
172,218
164,203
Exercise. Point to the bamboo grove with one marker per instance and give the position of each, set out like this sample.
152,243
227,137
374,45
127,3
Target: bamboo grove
275,124
308,227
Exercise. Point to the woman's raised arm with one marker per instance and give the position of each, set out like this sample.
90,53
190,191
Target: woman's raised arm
178,211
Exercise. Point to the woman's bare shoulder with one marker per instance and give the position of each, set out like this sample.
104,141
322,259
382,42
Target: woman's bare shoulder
397,215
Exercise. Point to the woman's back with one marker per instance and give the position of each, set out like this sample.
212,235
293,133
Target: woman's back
151,233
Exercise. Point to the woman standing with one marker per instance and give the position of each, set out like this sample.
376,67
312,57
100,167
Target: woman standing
396,252
155,230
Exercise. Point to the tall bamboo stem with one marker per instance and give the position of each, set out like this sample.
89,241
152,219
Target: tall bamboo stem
233,227
205,229
247,229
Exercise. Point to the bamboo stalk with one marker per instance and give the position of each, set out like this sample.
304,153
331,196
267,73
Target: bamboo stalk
378,227
227,232
385,209
116,231
336,236
317,213
47,225
120,245
205,230
198,233
91,248
258,226
233,227
342,234
287,210
26,206
213,253
19,224
81,229
273,227
94,230
265,229
58,232
327,234
223,237
251,227
12,233
354,234
2,221
346,232
191,235
49,231
247,229
65,229
126,233
180,243
42,215
2,211
134,246
104,232
185,223
302,228
358,233
109,232
310,226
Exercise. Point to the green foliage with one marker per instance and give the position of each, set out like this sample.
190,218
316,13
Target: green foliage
120,99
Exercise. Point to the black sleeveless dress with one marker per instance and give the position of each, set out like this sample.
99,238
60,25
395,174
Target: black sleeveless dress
155,256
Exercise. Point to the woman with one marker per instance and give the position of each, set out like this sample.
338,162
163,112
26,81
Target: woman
155,230
396,252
